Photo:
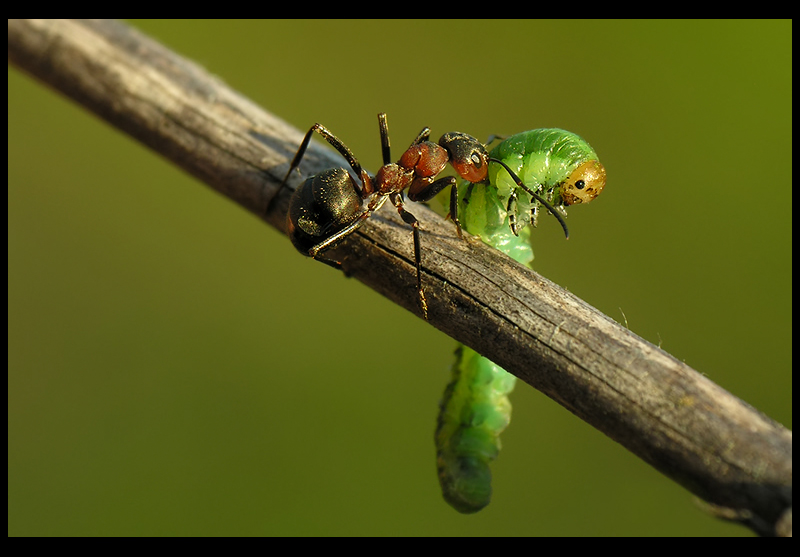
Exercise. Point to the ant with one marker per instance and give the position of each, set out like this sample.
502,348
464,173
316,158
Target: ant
331,205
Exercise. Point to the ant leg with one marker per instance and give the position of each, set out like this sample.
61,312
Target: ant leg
420,191
454,205
511,209
454,210
295,163
298,156
467,196
337,144
330,262
494,137
428,191
408,218
536,196
332,240
344,150
422,136
385,147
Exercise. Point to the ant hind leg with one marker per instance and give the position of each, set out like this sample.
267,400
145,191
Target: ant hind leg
410,219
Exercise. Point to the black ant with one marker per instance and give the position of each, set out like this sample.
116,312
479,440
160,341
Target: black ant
329,206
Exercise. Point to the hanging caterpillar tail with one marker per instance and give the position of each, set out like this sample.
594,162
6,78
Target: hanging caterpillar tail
473,412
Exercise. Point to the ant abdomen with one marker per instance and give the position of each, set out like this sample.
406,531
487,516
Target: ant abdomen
323,205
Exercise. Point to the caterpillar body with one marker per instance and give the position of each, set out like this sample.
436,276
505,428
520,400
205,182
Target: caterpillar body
563,169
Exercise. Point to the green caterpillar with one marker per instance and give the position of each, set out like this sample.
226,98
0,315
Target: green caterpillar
563,169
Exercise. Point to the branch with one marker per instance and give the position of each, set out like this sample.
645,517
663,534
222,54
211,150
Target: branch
714,444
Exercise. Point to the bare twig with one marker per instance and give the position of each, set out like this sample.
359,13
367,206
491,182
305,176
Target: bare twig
717,446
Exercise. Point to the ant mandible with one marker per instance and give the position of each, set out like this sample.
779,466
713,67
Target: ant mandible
329,206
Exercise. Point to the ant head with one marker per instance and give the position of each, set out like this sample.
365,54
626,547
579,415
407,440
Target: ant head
467,155
584,184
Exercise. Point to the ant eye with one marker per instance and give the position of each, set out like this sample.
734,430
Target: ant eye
580,184
476,160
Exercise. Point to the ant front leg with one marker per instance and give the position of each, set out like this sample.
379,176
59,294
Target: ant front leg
511,209
469,158
331,241
410,219
422,191
454,210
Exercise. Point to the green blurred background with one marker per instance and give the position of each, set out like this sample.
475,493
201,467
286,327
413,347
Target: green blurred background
164,377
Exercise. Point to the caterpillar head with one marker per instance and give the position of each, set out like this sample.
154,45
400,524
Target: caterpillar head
584,184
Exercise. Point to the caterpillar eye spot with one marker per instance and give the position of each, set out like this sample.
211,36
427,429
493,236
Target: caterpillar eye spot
580,184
